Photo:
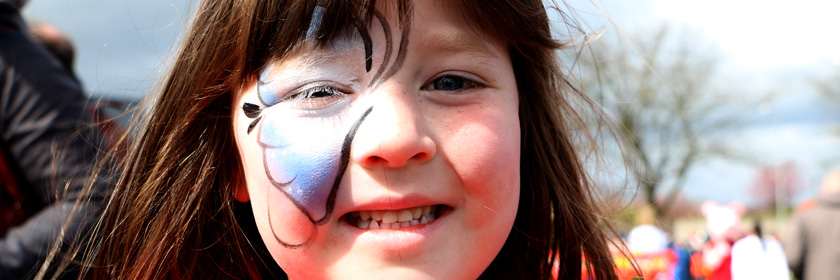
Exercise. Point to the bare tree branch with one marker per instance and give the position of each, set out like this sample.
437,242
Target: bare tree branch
664,94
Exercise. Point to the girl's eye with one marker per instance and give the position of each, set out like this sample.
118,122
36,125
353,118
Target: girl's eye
317,92
450,83
314,98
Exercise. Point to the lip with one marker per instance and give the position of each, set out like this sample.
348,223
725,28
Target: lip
393,203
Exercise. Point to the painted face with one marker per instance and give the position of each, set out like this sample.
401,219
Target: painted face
393,153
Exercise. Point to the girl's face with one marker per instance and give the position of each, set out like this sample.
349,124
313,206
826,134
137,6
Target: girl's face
392,153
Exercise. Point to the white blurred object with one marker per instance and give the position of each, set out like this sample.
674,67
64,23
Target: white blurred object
754,258
646,239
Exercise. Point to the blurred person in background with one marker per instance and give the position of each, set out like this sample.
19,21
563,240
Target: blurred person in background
759,256
58,45
46,150
653,252
723,224
811,243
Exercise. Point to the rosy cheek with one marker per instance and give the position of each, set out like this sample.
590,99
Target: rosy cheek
484,151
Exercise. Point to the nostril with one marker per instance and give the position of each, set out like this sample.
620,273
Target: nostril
375,160
422,156
394,162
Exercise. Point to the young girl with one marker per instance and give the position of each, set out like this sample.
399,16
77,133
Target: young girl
357,139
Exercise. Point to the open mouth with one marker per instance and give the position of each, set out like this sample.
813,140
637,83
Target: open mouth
394,219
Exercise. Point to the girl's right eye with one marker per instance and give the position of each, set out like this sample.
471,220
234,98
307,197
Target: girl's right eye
316,92
315,98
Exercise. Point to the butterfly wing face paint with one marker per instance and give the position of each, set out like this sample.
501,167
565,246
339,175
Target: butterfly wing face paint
302,161
303,158
304,148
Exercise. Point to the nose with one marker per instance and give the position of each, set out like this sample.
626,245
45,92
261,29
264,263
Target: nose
395,134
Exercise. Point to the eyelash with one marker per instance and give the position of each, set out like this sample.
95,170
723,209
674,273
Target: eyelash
314,98
309,93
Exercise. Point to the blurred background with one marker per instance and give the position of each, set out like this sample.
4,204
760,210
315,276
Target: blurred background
721,100
121,46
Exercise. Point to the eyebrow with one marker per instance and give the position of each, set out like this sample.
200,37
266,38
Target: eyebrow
310,53
456,42
308,56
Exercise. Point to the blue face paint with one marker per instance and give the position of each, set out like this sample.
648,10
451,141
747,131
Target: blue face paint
306,160
265,91
302,160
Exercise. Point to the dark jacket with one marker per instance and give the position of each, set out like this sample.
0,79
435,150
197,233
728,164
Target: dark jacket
42,115
812,242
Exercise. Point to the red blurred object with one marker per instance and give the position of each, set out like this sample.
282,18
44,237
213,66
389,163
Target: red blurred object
785,177
657,265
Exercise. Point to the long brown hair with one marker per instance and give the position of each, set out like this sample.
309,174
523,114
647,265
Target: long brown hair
173,214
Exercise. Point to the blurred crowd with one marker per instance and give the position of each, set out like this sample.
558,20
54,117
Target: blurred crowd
808,249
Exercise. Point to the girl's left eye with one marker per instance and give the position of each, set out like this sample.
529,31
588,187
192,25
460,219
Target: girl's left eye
450,83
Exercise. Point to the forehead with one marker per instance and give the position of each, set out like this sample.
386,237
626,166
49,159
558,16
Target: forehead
455,40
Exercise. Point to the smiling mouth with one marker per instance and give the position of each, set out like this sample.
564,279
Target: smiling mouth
394,219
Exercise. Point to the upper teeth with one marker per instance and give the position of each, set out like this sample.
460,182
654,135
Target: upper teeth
394,219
